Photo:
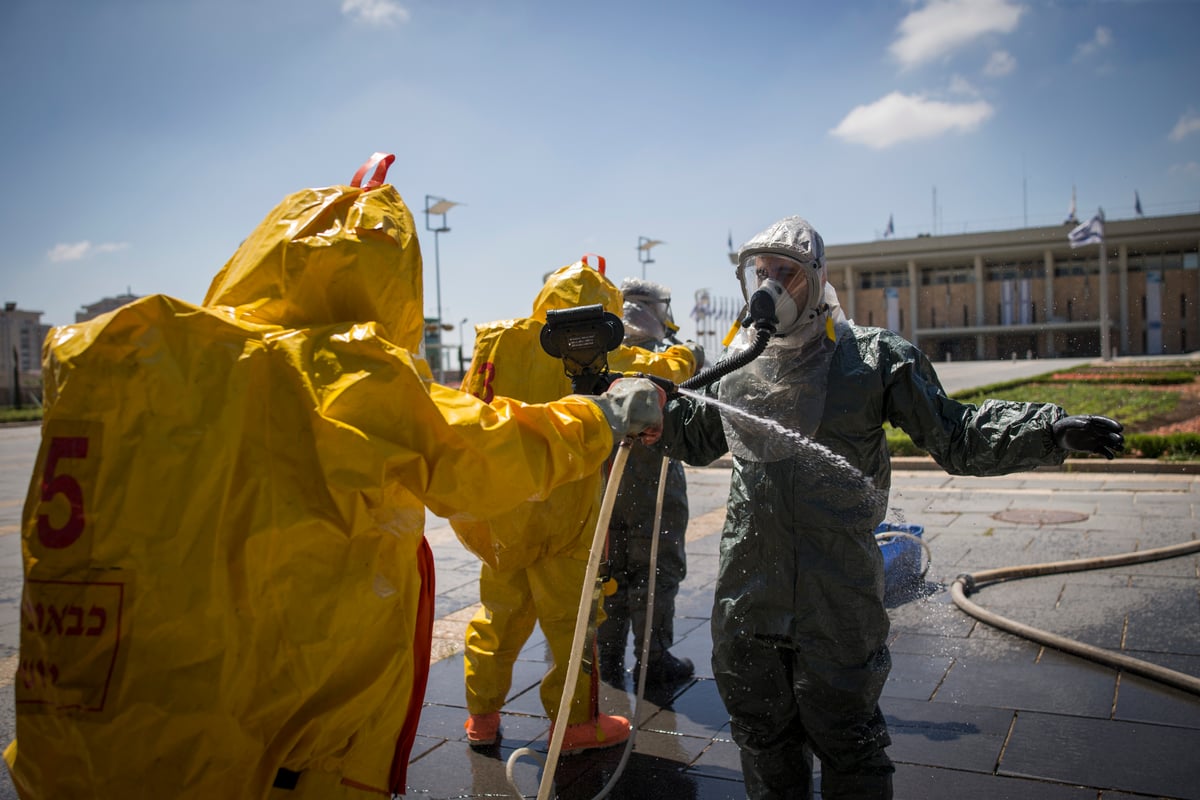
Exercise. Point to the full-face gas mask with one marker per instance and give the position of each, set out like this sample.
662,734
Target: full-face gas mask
795,287
647,312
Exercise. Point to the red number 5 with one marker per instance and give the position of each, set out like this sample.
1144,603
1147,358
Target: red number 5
68,487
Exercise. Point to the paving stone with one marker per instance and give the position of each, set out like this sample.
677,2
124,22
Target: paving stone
456,770
945,735
1167,620
646,777
1141,699
1083,688
676,748
445,684
1035,592
931,616
456,599
1003,648
721,759
1133,757
919,781
1180,662
697,711
923,668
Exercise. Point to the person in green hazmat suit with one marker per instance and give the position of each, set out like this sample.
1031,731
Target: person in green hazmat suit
228,593
649,324
534,558
799,625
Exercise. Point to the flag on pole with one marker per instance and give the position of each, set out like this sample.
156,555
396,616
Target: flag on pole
1137,203
891,229
1090,232
1071,211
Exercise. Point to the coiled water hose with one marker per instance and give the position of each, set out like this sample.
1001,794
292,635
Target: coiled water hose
968,583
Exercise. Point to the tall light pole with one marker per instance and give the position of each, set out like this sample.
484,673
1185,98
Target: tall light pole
462,325
438,206
645,244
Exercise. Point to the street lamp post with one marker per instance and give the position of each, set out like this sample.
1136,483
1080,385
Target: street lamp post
438,206
645,244
462,324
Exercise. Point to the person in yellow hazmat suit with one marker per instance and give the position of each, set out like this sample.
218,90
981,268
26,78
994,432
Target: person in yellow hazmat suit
228,593
535,556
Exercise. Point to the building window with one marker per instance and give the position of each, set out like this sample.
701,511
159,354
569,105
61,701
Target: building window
881,280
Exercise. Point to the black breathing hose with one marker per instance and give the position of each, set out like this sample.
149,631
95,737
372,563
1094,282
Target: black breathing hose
760,313
727,365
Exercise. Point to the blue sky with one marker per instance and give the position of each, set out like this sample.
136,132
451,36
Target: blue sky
143,139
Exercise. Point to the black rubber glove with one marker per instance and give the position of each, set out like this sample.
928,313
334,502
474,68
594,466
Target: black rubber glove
1089,433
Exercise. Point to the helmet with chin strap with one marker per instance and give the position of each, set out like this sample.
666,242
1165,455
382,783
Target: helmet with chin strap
787,260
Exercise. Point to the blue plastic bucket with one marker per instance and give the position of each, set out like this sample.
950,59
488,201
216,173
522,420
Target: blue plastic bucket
901,556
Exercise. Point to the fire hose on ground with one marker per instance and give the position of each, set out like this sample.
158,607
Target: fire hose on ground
966,584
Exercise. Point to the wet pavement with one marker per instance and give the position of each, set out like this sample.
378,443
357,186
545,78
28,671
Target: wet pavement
972,710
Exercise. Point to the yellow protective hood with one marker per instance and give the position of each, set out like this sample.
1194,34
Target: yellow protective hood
576,285
339,254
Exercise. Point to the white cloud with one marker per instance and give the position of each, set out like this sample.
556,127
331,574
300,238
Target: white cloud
375,12
942,26
79,250
1101,39
1188,124
1189,170
1000,63
899,118
960,85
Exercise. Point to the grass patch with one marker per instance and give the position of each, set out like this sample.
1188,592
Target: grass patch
1131,405
1122,394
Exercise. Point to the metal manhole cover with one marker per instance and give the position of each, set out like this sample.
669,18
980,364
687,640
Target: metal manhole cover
1037,516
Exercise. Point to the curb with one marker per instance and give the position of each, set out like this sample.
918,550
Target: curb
1077,465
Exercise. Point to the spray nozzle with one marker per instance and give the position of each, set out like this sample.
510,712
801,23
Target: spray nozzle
761,312
583,337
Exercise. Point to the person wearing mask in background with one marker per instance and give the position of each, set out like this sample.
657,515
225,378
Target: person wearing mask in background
649,324
231,498
535,557
799,625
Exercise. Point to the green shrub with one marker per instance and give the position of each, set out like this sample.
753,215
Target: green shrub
1175,446
27,414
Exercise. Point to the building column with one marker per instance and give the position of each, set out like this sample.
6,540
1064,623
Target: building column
1123,296
980,314
914,291
1105,311
1048,286
849,301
